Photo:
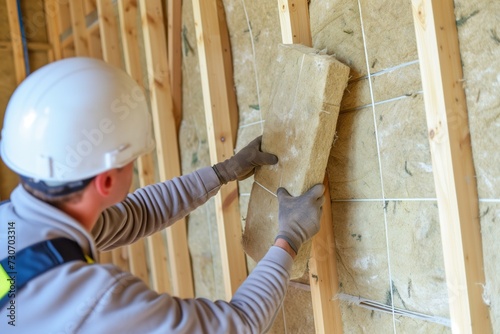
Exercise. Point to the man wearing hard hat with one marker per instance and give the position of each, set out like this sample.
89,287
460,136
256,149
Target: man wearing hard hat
72,131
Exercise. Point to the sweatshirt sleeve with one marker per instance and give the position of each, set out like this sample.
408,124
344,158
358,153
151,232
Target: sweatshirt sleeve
152,208
131,307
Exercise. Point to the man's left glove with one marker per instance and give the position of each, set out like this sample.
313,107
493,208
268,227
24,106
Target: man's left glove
242,164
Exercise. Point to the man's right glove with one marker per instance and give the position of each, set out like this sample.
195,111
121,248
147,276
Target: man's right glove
299,216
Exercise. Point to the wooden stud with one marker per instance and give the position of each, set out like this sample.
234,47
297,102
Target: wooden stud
106,257
109,33
80,33
120,258
167,148
32,46
454,177
294,19
174,23
64,15
95,43
16,40
127,11
69,51
90,6
52,20
221,113
9,179
323,276
111,54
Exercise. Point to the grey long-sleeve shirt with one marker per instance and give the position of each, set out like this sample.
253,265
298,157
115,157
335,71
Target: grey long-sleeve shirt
81,298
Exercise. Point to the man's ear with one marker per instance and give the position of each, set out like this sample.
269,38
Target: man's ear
104,182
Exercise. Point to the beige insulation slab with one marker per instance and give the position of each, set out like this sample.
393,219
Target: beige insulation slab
299,128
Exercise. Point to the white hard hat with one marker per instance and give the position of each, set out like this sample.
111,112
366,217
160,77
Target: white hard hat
73,119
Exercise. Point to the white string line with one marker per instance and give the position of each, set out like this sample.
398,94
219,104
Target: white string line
387,70
380,307
430,199
384,199
269,191
489,200
253,123
379,163
250,31
397,98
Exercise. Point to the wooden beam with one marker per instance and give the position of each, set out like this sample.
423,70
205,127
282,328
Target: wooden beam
64,15
294,19
127,12
454,176
106,257
64,21
167,148
90,6
323,276
16,40
174,23
9,179
78,25
221,111
32,46
52,20
111,54
109,32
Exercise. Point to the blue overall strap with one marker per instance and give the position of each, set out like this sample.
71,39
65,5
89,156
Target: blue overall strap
17,270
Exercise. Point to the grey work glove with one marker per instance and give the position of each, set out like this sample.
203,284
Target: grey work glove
299,216
242,164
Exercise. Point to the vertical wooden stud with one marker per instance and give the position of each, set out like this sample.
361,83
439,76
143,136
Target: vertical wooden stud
127,11
454,176
80,33
167,148
16,40
52,20
294,19
174,23
221,116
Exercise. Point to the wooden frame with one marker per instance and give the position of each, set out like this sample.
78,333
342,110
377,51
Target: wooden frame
294,19
16,40
221,117
127,11
53,29
166,137
80,33
108,33
323,277
174,32
447,121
